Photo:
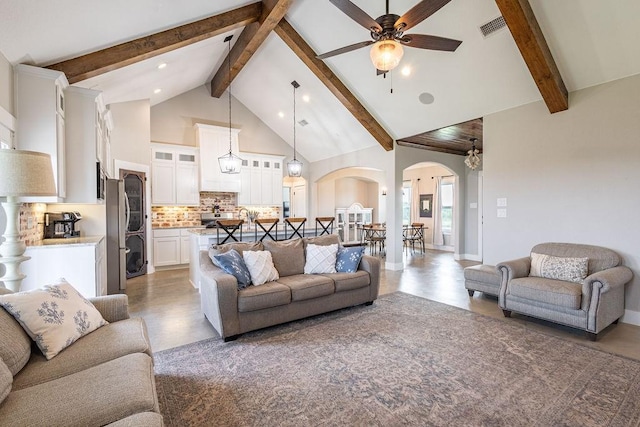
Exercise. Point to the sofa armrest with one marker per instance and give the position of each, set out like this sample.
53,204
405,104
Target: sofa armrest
112,307
608,279
371,265
219,297
603,296
515,268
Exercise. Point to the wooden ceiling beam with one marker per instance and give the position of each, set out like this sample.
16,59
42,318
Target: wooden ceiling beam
297,44
248,43
112,58
536,54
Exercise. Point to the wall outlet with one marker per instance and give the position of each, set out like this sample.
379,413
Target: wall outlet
502,213
29,223
154,215
185,215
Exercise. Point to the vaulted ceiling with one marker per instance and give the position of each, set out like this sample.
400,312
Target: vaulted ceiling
591,42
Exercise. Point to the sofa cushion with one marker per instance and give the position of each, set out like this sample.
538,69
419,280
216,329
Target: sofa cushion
324,240
233,263
54,317
107,343
269,295
240,247
559,268
15,344
305,286
143,419
6,379
93,397
348,259
260,266
320,259
348,281
555,292
288,256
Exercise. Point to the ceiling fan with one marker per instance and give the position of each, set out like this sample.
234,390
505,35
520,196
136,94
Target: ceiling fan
387,33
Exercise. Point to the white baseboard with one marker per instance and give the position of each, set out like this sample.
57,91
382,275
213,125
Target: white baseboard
439,248
471,257
396,266
631,317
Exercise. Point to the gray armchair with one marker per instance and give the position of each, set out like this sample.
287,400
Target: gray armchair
591,305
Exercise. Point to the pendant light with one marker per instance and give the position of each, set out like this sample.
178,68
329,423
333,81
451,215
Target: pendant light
473,160
294,167
229,163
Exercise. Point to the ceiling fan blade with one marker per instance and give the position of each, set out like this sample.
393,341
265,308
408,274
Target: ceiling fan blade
419,13
357,14
423,41
345,49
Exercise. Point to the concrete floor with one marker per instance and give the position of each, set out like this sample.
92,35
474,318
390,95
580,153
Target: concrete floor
171,306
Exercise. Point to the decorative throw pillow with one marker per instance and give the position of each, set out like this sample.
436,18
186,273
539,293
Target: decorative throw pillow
233,263
320,259
348,259
559,268
6,380
260,265
54,317
238,246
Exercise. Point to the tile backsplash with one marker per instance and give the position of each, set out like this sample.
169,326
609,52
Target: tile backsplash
189,216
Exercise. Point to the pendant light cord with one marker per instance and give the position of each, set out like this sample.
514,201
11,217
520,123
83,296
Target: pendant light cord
229,69
294,122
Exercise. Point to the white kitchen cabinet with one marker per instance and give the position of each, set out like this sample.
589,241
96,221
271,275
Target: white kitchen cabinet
261,178
349,219
213,142
174,175
81,261
170,247
85,144
40,110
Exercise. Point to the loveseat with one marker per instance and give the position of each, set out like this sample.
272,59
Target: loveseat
294,295
104,378
581,286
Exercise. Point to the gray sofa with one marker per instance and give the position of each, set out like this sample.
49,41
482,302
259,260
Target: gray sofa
592,305
104,378
294,296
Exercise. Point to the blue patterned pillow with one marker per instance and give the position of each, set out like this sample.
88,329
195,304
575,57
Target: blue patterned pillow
232,263
348,259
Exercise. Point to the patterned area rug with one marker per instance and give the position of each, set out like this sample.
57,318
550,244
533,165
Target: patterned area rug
403,361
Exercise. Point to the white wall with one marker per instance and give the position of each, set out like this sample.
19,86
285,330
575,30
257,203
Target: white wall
568,177
131,136
6,85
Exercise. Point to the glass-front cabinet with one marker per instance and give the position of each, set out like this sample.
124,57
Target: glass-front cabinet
348,221
135,234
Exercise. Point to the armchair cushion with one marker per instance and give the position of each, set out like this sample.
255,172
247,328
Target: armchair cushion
6,379
559,268
555,292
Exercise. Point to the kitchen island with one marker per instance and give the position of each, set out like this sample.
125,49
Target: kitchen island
204,238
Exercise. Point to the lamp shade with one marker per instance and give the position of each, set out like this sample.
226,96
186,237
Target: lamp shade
294,168
25,173
230,163
386,54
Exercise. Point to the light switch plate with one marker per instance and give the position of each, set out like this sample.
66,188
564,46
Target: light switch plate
473,206
502,201
502,213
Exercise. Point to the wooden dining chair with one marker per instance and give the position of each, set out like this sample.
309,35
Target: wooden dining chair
269,226
324,225
232,228
414,234
295,226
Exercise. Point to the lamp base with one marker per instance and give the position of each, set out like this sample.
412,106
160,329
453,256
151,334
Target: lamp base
12,278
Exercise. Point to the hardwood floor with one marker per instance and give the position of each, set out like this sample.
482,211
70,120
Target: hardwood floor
171,306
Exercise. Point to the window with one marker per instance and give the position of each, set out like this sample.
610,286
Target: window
406,202
447,207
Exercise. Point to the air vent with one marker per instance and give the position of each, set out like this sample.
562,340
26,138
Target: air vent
492,26
303,122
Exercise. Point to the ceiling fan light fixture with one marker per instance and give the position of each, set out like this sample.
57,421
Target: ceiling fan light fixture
386,54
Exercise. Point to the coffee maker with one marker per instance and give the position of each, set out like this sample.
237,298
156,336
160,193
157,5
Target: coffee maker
59,225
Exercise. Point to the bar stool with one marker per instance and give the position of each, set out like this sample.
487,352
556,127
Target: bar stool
325,223
273,228
296,225
230,227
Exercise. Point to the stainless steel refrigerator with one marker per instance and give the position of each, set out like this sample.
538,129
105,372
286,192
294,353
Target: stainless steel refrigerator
117,224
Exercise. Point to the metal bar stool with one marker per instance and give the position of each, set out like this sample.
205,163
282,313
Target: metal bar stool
230,227
296,230
325,223
273,228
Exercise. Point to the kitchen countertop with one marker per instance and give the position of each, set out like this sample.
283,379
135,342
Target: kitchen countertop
77,241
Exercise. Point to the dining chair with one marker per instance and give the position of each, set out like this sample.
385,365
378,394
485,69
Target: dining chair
268,226
414,234
230,227
296,226
324,225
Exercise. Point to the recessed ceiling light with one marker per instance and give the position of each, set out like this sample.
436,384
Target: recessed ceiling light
406,71
306,98
162,65
281,114
157,91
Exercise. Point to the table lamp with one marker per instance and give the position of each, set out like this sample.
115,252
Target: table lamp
22,173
